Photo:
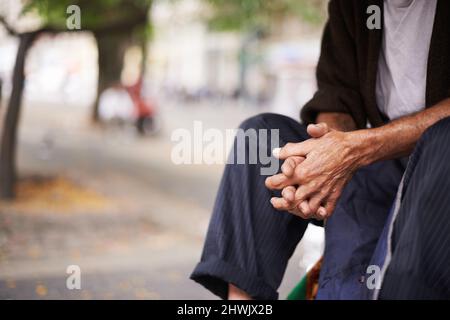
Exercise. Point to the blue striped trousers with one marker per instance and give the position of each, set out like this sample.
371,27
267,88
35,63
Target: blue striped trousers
249,243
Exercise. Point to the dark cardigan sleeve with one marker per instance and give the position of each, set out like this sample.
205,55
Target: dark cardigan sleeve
337,70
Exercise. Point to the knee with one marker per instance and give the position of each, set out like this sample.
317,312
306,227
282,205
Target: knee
431,150
440,131
265,121
434,140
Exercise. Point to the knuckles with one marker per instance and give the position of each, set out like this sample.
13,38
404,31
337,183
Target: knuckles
300,173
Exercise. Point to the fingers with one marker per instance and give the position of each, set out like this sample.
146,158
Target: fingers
303,193
286,177
288,194
310,203
331,202
308,212
331,205
301,148
280,204
303,209
322,213
279,181
293,149
317,130
298,212
285,203
315,202
288,166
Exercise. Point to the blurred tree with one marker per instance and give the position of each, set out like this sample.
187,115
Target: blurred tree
115,24
261,14
11,117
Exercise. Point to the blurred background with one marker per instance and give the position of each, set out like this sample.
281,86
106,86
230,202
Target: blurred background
90,96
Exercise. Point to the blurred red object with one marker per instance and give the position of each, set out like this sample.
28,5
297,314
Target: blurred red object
143,108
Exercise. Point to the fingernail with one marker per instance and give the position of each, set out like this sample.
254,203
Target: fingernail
276,152
322,212
279,179
304,207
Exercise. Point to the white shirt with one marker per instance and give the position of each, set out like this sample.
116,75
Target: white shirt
402,65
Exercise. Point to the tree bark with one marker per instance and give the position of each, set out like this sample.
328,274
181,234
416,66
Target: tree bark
111,52
11,120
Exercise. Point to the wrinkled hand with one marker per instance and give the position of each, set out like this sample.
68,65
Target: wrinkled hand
287,202
320,167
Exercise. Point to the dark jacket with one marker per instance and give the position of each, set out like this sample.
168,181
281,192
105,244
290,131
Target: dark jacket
347,69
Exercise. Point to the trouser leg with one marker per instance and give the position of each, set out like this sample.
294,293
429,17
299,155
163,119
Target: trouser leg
352,232
248,242
420,243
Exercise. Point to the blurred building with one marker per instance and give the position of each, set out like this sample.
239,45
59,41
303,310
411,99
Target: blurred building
59,68
188,59
185,56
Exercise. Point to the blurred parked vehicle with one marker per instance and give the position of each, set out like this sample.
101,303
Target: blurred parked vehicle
124,105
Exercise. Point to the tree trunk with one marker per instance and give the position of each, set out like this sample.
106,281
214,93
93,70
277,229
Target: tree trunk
111,52
11,120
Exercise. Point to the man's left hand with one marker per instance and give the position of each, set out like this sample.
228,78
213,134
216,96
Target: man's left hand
323,166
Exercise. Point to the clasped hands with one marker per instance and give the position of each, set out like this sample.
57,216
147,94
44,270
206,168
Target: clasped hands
315,171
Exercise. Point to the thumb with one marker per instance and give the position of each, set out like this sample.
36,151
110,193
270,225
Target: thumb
318,130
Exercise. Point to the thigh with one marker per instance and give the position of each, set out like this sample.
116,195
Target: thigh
420,264
352,232
265,237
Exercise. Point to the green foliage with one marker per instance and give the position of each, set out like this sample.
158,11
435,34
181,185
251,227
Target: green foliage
259,14
95,14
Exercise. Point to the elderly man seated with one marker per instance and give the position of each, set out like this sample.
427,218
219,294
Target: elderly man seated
383,188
